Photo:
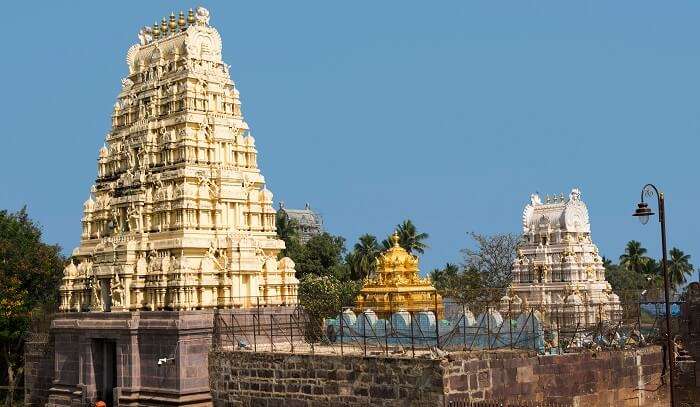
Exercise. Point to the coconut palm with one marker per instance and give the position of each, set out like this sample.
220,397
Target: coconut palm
607,263
364,256
634,258
409,238
444,279
286,227
679,267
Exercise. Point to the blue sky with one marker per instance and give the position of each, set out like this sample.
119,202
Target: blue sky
447,113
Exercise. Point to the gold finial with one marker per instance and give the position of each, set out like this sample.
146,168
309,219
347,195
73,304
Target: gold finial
156,30
164,27
190,17
395,239
181,20
172,24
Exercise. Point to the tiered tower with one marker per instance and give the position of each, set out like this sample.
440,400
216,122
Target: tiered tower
558,268
179,216
396,286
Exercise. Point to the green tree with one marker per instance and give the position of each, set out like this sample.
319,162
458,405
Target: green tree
322,255
679,267
461,285
320,296
443,279
286,227
30,273
324,297
362,260
634,258
410,239
622,280
287,231
607,262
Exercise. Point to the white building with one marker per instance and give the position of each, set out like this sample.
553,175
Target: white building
558,269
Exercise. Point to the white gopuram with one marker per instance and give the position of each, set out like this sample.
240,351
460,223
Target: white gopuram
179,216
558,270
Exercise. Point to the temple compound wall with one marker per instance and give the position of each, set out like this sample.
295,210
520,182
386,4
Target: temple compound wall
687,385
610,378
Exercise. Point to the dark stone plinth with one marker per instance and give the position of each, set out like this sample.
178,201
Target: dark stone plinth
98,355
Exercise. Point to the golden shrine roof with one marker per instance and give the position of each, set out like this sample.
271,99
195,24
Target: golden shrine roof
397,270
396,258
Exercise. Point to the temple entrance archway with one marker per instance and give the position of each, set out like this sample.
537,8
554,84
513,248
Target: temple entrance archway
105,369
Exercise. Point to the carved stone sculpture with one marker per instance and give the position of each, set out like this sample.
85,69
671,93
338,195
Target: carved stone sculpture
117,291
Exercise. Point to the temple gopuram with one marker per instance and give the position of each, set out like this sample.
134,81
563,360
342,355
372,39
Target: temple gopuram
558,268
307,222
396,286
178,228
179,216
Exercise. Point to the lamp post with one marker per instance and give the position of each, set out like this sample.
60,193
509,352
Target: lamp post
643,212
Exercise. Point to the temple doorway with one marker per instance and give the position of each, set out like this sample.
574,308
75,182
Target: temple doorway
105,369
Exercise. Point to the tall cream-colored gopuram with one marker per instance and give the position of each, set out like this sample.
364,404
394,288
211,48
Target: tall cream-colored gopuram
178,233
179,216
558,268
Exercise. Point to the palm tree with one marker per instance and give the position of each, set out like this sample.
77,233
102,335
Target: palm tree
444,279
679,267
410,239
607,263
286,227
364,256
634,258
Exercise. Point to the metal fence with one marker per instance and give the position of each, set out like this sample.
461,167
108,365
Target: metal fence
477,322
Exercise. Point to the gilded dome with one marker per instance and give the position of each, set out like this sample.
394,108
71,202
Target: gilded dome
396,284
396,258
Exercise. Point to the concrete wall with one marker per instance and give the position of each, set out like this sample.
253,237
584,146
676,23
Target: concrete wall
600,379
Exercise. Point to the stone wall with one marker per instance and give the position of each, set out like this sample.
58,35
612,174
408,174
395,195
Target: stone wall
620,378
66,365
687,386
38,368
270,379
607,378
83,343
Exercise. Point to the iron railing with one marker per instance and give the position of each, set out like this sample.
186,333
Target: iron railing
477,323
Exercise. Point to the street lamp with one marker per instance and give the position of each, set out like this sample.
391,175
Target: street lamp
643,212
